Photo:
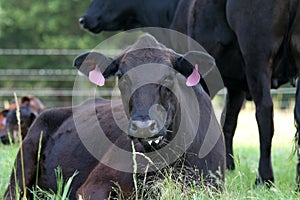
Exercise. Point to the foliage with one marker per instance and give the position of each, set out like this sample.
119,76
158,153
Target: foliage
63,189
41,24
46,25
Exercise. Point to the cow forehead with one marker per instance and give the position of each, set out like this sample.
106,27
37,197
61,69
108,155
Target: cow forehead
146,56
150,73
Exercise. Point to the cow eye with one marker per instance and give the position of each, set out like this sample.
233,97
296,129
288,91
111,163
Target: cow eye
124,82
166,86
119,74
167,81
164,91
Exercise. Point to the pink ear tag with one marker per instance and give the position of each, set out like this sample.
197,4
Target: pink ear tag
4,121
194,78
96,77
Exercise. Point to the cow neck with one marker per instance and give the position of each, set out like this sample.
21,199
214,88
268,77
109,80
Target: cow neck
162,18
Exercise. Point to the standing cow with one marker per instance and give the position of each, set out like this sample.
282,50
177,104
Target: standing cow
256,47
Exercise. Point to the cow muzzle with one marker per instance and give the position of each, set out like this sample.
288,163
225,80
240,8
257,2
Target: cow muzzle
146,130
143,129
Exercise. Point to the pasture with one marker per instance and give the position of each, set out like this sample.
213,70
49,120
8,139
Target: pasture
240,183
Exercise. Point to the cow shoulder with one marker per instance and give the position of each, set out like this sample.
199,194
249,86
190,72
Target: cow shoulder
46,124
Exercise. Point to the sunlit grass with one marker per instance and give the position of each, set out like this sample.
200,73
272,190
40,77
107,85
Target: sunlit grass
239,183
7,156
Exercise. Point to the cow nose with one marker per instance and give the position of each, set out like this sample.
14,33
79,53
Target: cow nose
81,21
143,129
4,139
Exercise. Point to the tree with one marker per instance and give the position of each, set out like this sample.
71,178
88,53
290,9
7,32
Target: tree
42,24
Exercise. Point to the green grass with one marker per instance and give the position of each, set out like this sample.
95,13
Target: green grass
63,188
239,183
7,156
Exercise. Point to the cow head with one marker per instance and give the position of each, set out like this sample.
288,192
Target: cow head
112,15
27,116
147,78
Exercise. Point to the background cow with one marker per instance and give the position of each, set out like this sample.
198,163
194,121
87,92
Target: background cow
3,114
112,15
10,133
256,47
29,108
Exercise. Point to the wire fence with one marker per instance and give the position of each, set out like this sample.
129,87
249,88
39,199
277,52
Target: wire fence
52,52
65,77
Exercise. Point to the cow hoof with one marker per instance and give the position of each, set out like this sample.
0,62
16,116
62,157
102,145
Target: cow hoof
297,184
297,188
230,163
267,182
230,167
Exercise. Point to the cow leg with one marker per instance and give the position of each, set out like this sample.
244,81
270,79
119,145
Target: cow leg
295,49
264,117
297,123
259,84
234,102
260,33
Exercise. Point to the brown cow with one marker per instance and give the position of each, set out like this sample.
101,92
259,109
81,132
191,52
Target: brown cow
102,180
155,91
170,119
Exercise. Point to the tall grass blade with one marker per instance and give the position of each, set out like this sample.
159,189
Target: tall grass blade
38,159
21,142
59,181
134,171
67,187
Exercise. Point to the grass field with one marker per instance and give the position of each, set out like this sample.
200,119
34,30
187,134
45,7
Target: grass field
240,183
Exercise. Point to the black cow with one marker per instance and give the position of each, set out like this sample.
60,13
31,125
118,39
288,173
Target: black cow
260,46
10,133
256,47
29,108
105,15
158,121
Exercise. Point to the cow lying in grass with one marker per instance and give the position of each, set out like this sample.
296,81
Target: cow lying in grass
169,118
144,84
29,108
10,133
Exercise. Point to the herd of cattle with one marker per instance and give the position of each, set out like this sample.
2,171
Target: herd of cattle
255,45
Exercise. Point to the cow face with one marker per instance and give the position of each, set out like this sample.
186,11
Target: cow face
27,116
148,78
110,15
146,87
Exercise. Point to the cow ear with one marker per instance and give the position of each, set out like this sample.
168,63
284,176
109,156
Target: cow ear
192,65
96,66
33,115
